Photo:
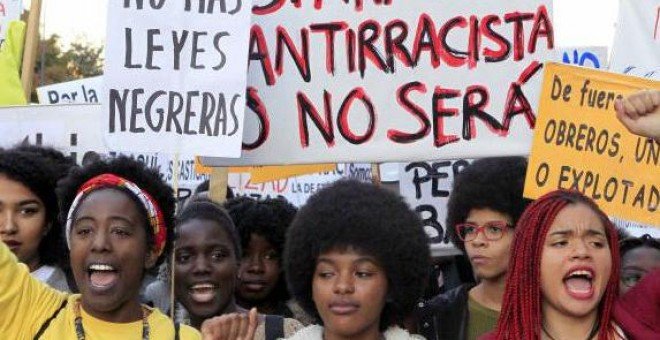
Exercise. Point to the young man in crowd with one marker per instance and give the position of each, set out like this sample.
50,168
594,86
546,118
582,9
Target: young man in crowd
484,206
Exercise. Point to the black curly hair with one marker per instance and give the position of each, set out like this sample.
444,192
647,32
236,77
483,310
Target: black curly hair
370,219
61,164
269,218
147,179
39,175
205,209
630,243
494,183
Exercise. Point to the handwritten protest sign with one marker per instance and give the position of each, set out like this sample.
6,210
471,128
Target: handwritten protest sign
74,130
375,81
636,48
589,56
176,75
9,10
85,90
426,186
297,189
580,144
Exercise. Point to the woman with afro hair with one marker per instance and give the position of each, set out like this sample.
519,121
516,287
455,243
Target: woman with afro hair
29,210
485,204
262,226
356,258
118,218
564,279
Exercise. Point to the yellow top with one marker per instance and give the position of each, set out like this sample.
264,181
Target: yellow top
27,303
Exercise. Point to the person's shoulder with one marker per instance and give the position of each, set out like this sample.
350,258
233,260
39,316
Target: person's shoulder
188,333
163,325
448,299
312,332
398,333
291,326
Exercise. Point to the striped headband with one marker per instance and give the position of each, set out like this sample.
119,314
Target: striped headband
155,215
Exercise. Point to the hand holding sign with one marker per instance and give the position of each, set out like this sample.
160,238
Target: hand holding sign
640,113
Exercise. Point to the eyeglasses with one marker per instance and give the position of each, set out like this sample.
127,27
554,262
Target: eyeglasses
493,231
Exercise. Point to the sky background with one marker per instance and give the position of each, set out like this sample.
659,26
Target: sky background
577,22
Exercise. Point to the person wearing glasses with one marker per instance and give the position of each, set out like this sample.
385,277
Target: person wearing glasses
484,206
639,256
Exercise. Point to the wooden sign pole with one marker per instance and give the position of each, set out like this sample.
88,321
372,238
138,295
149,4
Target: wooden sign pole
30,50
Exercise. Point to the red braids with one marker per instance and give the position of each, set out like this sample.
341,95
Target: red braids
521,316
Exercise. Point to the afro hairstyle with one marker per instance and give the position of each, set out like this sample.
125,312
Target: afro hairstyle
371,220
39,175
61,163
146,179
269,218
494,183
205,209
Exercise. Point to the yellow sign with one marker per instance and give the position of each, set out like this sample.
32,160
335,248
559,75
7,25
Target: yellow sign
580,144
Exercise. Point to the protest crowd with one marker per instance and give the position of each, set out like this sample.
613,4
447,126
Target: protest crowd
115,234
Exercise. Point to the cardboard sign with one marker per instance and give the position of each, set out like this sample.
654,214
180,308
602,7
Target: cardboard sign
9,10
580,144
426,186
591,56
636,49
74,130
297,189
80,91
176,76
377,81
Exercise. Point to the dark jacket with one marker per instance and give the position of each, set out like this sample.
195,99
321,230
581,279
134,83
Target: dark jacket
445,317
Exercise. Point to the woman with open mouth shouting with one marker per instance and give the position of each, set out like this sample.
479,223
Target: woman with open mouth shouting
119,218
564,275
207,259
357,258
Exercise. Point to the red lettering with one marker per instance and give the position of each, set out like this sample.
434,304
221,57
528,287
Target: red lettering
402,93
301,59
307,109
439,112
257,106
342,118
259,52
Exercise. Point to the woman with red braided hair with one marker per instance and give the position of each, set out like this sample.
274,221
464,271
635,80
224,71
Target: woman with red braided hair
564,277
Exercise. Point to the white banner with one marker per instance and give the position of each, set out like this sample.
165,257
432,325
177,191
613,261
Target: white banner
9,10
78,91
341,81
176,76
426,187
74,130
636,49
297,190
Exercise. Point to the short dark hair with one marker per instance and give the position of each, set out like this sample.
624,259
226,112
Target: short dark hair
205,209
494,183
631,243
369,219
40,176
147,179
269,218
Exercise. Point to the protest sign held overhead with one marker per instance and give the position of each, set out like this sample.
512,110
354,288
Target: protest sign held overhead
77,91
580,144
378,81
636,49
175,75
590,56
426,186
74,130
